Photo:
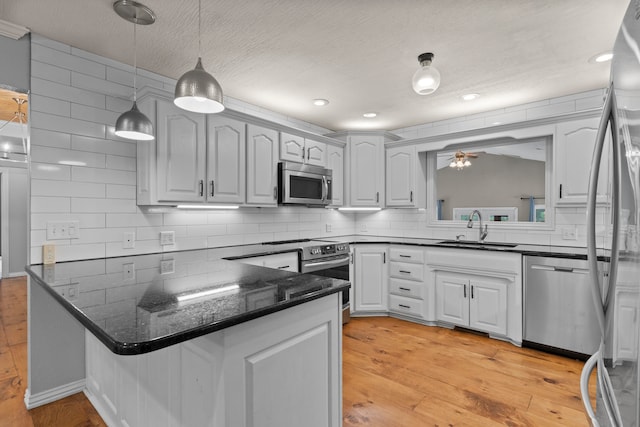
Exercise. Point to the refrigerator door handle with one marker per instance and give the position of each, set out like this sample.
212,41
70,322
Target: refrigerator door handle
608,116
588,368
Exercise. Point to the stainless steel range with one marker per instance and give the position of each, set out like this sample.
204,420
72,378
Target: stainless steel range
328,260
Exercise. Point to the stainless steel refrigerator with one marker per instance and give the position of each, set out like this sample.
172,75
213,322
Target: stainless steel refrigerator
616,239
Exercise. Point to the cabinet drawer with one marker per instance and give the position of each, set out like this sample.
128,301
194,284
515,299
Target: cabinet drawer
407,306
403,270
407,255
407,288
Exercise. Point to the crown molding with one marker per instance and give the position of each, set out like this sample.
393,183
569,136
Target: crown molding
11,30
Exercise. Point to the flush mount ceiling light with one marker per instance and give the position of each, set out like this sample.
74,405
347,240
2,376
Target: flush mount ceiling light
427,79
601,57
319,102
370,115
197,90
133,124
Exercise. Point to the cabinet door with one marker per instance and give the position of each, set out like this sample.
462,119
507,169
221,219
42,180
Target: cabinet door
335,162
262,166
316,152
452,305
291,147
371,281
180,154
226,160
574,149
401,176
488,306
366,160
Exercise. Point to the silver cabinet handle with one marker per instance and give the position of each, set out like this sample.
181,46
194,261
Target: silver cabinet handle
303,154
465,291
405,289
283,267
308,154
408,307
411,196
471,291
405,256
201,187
275,193
384,257
404,271
212,188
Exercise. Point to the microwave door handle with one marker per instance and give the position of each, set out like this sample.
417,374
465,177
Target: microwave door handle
325,188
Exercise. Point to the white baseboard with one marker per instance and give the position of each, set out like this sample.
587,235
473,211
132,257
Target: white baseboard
100,408
18,274
34,400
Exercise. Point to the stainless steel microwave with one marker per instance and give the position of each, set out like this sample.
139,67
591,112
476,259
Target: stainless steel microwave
300,184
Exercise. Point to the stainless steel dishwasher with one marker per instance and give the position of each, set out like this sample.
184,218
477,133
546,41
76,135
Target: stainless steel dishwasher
558,309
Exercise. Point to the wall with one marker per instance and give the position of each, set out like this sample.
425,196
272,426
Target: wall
81,171
15,229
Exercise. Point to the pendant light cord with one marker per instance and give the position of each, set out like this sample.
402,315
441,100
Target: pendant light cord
135,61
199,29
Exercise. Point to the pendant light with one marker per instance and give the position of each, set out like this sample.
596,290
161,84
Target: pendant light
197,90
427,79
133,124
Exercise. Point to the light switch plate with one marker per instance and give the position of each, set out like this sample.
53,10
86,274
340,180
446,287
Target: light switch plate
167,266
167,238
57,230
569,233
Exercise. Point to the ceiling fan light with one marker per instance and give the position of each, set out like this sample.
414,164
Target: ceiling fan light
452,164
199,91
427,78
467,163
133,124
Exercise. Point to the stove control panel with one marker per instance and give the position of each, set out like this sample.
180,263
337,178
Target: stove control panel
322,251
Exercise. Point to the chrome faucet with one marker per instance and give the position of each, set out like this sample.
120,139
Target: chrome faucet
482,231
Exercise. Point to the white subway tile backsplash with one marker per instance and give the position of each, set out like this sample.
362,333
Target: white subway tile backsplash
206,230
68,125
88,205
115,191
121,163
66,60
91,114
99,85
106,176
99,145
115,220
119,105
43,204
67,157
48,171
50,72
45,104
66,93
41,137
40,187
39,221
185,218
243,228
44,41
125,78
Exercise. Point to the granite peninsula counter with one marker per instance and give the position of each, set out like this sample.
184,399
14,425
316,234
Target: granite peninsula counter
188,337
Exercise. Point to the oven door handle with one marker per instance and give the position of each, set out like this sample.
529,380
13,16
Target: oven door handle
306,267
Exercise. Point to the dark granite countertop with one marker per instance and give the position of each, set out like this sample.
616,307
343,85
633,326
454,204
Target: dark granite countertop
143,303
573,252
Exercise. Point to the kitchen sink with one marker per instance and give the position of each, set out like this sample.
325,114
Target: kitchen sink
476,244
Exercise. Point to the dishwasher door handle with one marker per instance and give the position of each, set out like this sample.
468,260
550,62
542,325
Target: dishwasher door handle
559,268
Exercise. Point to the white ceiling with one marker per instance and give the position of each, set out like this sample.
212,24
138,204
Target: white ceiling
358,54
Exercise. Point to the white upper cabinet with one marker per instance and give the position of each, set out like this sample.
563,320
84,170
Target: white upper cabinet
296,148
262,166
401,176
366,170
180,153
335,162
226,160
574,145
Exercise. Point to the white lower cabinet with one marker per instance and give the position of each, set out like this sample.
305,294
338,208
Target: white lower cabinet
472,301
408,291
371,285
255,374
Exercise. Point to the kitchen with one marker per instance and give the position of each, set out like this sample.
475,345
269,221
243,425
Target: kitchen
103,195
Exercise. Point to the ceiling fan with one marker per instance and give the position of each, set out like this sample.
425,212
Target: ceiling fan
460,159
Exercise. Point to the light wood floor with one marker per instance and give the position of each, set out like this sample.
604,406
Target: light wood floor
395,373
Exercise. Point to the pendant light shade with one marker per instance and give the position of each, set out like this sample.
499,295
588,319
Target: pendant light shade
133,124
199,91
427,78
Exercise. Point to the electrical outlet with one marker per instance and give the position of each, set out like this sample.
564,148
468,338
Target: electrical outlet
328,227
129,240
363,226
167,266
167,238
129,272
69,292
48,254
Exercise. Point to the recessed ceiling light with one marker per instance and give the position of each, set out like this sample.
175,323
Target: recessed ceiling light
320,102
601,57
370,115
470,96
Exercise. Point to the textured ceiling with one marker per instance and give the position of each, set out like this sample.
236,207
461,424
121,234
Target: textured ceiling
358,54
